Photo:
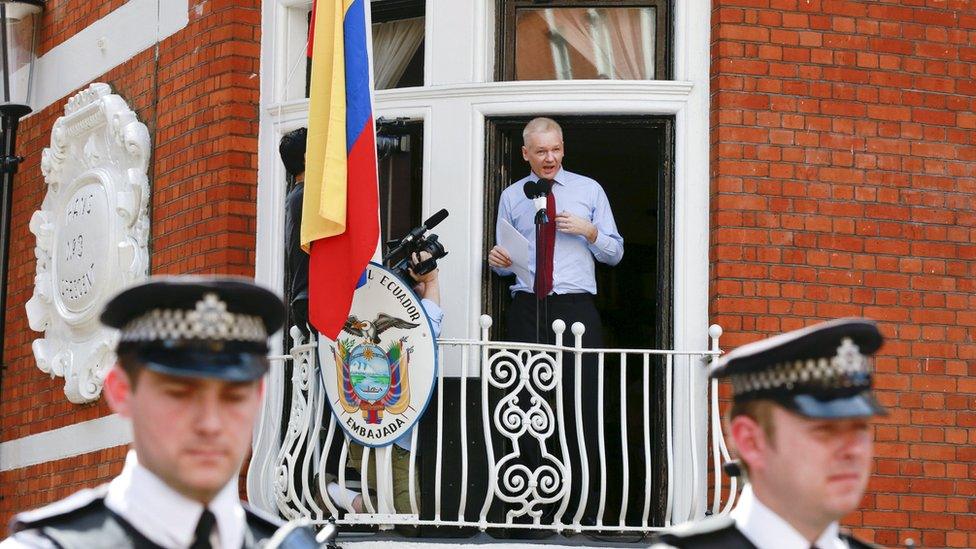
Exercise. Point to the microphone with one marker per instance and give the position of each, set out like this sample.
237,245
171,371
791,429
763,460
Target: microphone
431,222
537,192
415,241
538,188
435,219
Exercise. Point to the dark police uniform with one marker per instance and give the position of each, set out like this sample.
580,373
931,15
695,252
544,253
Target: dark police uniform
181,326
721,533
817,372
83,521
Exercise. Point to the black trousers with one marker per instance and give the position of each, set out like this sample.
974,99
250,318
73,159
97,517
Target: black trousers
521,318
521,327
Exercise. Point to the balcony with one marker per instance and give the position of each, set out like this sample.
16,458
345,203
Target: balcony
498,451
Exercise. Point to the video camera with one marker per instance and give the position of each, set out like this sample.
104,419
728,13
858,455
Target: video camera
388,138
399,252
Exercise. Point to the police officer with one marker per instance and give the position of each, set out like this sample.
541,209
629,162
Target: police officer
191,355
800,421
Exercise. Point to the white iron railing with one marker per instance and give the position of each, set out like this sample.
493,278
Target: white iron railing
514,493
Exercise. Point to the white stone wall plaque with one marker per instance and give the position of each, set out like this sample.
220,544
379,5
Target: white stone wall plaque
92,233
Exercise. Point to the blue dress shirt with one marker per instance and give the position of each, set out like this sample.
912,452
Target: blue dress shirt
436,315
573,267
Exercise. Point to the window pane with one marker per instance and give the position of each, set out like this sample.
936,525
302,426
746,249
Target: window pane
398,53
398,45
585,43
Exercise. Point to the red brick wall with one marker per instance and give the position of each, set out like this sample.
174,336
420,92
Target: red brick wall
62,19
40,484
199,98
844,183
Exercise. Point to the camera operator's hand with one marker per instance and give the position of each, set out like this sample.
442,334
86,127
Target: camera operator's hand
416,258
427,286
498,257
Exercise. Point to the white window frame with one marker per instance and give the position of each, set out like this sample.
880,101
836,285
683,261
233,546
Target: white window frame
458,97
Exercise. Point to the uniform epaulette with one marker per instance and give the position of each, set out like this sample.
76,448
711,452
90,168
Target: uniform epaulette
261,519
712,533
74,504
701,527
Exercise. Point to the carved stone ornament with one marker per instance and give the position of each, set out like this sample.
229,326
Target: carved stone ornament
92,232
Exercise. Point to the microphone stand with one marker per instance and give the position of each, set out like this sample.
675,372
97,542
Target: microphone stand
535,190
540,222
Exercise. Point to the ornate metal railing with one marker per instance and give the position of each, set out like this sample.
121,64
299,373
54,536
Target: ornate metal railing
487,482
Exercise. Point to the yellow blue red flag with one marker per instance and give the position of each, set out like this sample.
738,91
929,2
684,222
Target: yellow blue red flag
340,211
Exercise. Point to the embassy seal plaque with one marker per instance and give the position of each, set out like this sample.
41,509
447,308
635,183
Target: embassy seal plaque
91,235
379,374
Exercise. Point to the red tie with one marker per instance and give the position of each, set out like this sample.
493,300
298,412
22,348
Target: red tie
543,272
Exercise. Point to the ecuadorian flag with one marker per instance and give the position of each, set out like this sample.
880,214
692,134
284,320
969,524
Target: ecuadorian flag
340,212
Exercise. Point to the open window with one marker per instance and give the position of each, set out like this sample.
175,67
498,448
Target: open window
400,153
398,43
399,29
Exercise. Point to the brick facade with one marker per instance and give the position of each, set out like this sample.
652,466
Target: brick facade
63,19
37,485
198,95
843,183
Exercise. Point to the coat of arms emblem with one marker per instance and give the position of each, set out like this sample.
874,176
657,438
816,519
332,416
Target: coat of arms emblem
379,372
373,380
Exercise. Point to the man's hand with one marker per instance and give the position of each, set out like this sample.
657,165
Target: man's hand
498,257
427,286
574,224
424,278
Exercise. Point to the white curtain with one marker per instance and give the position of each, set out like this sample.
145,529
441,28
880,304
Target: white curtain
626,38
394,45
613,40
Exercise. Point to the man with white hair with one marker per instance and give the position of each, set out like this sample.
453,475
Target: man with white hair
580,231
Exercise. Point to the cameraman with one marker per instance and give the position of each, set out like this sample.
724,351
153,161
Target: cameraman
427,287
291,148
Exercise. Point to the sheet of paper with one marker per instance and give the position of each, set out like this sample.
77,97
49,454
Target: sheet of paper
518,249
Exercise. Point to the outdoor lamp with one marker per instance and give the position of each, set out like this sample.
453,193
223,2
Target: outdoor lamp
20,23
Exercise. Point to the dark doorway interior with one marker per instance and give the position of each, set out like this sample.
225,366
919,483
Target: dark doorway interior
400,152
631,158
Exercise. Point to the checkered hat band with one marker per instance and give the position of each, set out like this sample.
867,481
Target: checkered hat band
209,321
848,369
